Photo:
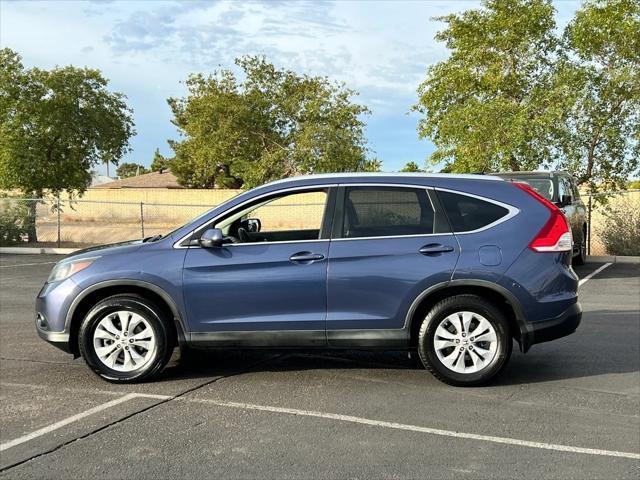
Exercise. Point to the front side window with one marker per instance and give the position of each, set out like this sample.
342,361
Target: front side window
288,217
386,211
469,213
563,188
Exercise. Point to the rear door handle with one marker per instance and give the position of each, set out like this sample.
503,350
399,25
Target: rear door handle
306,257
435,248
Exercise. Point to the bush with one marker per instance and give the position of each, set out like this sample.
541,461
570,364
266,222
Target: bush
14,217
620,231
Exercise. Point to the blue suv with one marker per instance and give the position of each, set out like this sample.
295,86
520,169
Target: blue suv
451,266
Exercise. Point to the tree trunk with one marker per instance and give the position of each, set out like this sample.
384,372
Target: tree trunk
30,227
513,164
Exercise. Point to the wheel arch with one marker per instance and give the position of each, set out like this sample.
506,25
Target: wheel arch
499,296
99,291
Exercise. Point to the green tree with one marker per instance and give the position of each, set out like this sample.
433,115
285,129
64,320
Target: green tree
490,105
126,170
411,167
600,136
273,124
54,126
513,95
159,162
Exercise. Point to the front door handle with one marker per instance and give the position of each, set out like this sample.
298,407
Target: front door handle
435,248
306,257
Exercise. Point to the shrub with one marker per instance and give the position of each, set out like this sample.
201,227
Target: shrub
620,232
14,217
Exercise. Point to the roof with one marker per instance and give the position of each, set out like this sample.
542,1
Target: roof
97,179
536,173
164,179
382,175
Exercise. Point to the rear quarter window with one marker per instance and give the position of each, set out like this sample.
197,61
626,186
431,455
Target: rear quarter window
470,213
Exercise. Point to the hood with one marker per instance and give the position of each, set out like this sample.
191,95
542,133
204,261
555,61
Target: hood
109,249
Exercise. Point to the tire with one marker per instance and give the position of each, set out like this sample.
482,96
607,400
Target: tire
469,369
581,257
146,321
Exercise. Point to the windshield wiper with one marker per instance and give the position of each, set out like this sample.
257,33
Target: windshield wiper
154,238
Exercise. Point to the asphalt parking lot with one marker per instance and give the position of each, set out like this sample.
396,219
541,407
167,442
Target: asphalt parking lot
567,409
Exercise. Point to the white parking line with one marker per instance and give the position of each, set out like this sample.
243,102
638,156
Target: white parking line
311,413
416,428
75,418
27,264
60,389
594,273
83,390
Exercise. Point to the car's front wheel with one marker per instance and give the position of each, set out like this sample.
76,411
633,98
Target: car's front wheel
464,340
125,338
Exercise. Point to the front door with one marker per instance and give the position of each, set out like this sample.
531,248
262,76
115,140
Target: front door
266,286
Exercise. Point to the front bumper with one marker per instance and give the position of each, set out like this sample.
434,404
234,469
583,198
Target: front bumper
52,305
558,327
57,339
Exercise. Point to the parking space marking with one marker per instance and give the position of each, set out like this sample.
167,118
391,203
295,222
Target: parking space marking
27,264
75,418
417,428
33,386
305,413
83,390
593,274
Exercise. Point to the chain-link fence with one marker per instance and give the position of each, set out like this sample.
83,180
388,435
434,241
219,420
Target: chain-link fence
78,223
613,220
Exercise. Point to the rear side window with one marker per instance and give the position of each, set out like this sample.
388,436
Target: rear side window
386,211
469,213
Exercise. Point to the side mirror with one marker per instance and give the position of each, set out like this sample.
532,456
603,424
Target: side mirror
566,200
211,238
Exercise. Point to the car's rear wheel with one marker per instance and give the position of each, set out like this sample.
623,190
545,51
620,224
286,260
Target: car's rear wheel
581,257
464,340
125,338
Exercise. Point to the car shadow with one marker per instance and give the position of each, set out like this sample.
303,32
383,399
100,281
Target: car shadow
217,363
607,342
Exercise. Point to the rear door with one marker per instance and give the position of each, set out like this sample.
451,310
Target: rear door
388,245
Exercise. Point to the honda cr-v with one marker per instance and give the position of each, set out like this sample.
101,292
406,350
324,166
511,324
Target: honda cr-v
453,267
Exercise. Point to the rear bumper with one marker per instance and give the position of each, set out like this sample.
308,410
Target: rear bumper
561,326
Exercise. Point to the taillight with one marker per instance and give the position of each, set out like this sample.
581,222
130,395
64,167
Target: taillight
555,235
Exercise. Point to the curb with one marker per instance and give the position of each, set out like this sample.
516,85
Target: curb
37,251
613,259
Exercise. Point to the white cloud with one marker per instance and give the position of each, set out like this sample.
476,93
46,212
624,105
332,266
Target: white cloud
381,49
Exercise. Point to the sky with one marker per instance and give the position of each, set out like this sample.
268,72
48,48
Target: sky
147,48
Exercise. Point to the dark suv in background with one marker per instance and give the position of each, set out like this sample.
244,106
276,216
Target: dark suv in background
561,189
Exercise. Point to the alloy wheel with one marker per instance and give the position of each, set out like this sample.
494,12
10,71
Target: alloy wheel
465,342
124,341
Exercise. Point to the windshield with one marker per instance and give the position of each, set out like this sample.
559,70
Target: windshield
194,219
544,186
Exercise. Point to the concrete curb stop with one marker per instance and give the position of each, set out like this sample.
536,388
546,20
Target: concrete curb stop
37,250
613,259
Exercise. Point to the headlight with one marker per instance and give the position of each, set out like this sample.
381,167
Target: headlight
65,269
